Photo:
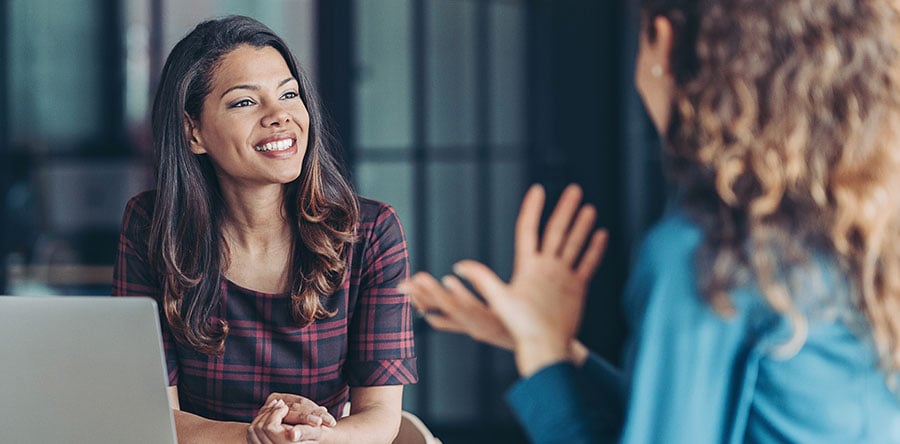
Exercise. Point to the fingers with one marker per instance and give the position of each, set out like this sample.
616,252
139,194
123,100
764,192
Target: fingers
483,279
444,323
309,413
302,410
592,255
299,414
432,300
327,418
475,317
560,220
460,296
267,426
573,244
529,221
305,433
427,293
317,416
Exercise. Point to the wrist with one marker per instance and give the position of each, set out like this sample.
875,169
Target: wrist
579,352
532,356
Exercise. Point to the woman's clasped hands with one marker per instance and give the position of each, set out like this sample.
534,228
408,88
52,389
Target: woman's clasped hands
287,418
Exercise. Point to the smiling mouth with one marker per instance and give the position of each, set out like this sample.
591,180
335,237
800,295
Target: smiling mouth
278,145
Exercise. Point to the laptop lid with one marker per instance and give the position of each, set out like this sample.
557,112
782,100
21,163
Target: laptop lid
82,370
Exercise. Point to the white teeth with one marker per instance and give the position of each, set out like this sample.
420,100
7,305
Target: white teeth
279,145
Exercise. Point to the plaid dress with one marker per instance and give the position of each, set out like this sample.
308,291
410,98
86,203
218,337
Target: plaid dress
369,342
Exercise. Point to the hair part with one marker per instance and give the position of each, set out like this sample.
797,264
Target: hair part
186,244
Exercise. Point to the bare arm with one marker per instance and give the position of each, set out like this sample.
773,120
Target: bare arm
374,416
196,429
284,418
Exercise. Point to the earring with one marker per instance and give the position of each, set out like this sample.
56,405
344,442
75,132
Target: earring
656,71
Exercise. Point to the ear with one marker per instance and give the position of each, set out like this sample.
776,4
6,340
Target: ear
192,132
660,48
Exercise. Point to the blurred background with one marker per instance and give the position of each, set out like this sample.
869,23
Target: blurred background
447,109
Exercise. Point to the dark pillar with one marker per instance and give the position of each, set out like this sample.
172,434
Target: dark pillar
575,49
337,69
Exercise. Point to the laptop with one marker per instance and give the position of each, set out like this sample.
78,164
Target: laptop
82,370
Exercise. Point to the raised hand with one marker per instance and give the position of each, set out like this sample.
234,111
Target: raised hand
538,312
542,305
452,307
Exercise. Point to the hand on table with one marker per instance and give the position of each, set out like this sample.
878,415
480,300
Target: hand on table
288,418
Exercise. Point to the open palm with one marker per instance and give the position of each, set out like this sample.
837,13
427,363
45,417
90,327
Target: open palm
539,311
542,304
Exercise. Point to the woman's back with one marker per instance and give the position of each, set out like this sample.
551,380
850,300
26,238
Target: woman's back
702,377
830,391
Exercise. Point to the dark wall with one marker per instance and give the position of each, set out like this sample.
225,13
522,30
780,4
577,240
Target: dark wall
577,52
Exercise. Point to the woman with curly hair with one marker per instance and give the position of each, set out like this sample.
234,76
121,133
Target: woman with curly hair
765,305
276,283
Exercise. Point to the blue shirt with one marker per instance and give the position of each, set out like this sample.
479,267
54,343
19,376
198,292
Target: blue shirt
693,375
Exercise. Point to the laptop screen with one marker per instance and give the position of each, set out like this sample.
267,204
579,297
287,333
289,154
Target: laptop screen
82,370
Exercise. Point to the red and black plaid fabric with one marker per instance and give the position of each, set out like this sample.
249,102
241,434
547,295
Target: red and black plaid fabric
368,343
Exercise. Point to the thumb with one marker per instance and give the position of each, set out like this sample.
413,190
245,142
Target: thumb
483,279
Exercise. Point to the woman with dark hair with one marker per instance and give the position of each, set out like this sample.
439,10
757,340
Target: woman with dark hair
765,305
275,281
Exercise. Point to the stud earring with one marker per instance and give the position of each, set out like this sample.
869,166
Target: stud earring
656,71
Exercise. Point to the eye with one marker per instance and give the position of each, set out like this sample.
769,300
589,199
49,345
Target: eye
290,95
241,103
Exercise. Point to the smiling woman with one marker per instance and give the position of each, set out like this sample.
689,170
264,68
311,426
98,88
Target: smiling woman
276,282
252,117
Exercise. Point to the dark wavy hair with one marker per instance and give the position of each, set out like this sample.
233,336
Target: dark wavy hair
783,142
186,245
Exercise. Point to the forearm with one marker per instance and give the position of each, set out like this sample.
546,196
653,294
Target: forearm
376,424
193,429
375,413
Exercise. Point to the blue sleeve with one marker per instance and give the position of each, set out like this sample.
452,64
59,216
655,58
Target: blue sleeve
682,379
564,404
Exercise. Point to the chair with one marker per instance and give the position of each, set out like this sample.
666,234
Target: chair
414,431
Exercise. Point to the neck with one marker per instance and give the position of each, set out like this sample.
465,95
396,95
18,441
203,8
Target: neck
255,218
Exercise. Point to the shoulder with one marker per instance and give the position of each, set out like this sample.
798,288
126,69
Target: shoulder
664,268
371,210
376,217
379,231
380,242
143,203
671,243
139,210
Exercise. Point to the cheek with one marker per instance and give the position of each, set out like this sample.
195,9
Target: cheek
303,119
641,71
639,82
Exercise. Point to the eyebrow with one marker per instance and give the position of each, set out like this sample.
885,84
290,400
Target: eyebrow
255,87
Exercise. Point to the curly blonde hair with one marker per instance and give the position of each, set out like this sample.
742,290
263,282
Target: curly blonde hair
784,142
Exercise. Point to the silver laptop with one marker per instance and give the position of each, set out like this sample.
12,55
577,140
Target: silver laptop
82,370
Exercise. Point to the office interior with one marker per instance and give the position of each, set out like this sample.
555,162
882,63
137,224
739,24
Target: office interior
446,109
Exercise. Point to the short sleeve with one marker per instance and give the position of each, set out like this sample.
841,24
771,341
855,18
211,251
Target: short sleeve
381,346
132,273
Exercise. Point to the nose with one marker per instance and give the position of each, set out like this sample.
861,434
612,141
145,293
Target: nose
276,115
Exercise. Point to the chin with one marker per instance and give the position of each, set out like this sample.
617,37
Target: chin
291,178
